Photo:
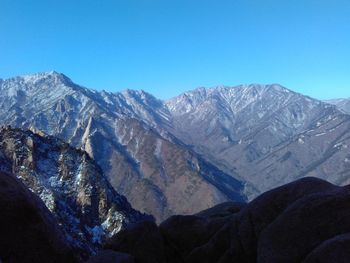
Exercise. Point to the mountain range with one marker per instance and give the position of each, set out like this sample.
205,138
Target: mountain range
193,151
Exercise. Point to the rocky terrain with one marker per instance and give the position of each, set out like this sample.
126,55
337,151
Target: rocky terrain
201,148
304,221
29,232
71,185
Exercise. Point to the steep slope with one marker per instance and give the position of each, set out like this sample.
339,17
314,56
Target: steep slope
28,231
71,185
126,134
241,129
321,151
342,104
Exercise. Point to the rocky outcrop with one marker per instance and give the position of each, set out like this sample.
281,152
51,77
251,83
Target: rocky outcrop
28,231
71,185
304,221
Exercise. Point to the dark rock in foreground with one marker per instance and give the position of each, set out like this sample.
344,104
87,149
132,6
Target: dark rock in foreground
110,256
304,221
28,231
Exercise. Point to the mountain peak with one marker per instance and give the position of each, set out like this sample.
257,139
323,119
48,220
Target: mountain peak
49,75
52,77
51,81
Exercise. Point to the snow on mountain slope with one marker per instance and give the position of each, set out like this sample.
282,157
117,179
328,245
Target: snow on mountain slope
71,185
192,151
237,128
120,131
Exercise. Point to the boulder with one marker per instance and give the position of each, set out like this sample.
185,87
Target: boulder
336,249
222,210
305,221
305,225
110,256
143,240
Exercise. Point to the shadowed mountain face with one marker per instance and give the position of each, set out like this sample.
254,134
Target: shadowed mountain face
125,133
196,150
304,221
70,184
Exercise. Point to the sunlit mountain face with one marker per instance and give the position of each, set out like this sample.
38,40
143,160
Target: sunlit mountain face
193,151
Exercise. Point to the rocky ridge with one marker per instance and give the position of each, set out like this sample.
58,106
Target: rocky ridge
71,185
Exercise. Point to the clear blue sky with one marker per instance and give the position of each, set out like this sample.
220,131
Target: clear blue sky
169,46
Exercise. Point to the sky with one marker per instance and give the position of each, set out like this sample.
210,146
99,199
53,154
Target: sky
166,47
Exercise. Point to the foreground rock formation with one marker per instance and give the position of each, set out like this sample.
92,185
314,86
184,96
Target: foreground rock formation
305,221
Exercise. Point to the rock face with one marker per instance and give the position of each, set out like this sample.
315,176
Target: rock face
28,231
123,132
304,221
70,184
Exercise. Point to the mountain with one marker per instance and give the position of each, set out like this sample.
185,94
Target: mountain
342,104
127,134
264,135
71,185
